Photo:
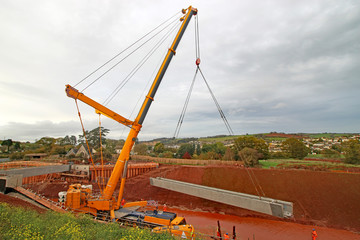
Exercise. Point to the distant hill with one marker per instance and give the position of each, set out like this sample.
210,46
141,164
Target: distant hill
266,136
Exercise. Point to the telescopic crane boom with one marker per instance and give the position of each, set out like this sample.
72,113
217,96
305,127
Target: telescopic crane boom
107,202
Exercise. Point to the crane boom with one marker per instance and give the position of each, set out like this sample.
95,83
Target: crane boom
75,94
107,201
120,166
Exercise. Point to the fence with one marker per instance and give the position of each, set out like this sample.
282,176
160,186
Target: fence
184,161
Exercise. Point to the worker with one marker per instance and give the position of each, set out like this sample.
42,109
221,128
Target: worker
164,207
156,210
226,236
313,234
122,202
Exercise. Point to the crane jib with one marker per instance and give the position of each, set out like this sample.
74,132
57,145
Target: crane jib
164,66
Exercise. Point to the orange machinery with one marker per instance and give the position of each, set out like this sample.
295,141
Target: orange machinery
79,199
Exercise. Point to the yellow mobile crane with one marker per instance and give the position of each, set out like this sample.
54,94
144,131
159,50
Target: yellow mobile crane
80,199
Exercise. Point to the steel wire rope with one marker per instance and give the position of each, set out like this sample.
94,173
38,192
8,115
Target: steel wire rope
197,53
87,143
217,105
113,66
257,182
139,65
146,87
89,75
182,115
101,153
246,168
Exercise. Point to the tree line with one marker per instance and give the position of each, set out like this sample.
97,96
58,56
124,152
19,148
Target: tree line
248,149
62,145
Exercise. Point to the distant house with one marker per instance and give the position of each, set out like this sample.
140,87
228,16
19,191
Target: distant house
118,149
80,152
35,156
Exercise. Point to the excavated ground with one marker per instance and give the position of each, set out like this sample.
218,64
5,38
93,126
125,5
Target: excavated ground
324,199
320,198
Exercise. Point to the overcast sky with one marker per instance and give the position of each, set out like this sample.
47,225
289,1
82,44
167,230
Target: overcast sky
285,66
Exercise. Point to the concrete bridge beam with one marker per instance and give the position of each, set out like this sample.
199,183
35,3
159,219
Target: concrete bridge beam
268,206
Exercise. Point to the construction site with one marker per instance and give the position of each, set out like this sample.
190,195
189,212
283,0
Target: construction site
193,199
324,200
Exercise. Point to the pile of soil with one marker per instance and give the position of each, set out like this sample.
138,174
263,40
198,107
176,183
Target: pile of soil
17,202
322,198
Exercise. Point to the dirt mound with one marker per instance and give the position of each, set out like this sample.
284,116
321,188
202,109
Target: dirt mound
324,198
14,201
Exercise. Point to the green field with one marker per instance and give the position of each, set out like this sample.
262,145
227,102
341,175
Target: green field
296,163
219,139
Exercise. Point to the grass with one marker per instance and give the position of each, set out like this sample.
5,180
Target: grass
329,135
219,139
272,163
293,163
19,223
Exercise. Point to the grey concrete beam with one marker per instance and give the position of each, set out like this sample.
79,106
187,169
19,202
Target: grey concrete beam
35,171
11,181
269,206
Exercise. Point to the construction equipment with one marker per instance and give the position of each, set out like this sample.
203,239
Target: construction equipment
82,200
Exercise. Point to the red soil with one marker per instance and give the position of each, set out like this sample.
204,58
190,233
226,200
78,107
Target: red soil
284,135
14,201
322,198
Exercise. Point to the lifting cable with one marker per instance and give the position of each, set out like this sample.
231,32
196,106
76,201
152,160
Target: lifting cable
256,182
87,144
217,105
121,60
140,64
182,115
103,65
145,88
246,168
101,153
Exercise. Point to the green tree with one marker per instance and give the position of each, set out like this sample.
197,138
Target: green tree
249,156
294,148
7,143
17,155
187,147
229,154
198,149
73,140
93,137
17,146
351,150
141,149
218,148
47,143
159,148
58,150
255,143
65,141
330,153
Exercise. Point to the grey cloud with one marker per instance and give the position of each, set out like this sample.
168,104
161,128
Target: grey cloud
287,66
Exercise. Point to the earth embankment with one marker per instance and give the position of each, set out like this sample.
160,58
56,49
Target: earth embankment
322,198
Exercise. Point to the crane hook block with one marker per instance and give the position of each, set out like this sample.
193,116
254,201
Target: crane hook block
183,11
197,62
